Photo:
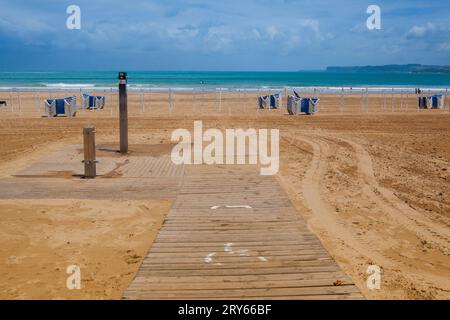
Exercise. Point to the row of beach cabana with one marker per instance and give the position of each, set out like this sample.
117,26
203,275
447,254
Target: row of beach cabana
302,101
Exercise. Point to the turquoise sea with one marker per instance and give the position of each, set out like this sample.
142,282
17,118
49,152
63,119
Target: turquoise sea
216,79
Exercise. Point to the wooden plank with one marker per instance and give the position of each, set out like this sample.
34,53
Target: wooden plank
150,272
221,264
148,293
262,248
187,279
143,282
247,244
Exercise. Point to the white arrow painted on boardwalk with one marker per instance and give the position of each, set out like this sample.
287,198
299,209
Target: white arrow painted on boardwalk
231,207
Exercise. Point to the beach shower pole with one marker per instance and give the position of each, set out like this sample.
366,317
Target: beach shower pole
342,100
123,110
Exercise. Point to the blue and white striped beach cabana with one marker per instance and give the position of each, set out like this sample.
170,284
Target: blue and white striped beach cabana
270,102
61,107
92,102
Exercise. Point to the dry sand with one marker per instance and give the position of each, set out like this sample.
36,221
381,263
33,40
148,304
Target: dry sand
106,239
374,187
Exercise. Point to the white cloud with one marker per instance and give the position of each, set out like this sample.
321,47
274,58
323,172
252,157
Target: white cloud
444,46
420,31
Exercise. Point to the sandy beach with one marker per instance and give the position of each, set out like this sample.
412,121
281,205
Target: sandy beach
372,184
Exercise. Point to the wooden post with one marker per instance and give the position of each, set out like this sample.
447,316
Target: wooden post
90,170
123,109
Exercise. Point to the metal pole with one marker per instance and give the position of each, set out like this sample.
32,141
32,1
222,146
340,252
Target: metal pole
445,99
342,100
170,100
11,100
285,97
230,96
123,108
362,100
239,99
407,98
193,100
366,103
216,100
392,100
401,101
90,163
141,100
203,100
245,101
20,102
220,99
111,102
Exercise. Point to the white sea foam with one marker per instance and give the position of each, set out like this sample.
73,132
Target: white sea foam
69,85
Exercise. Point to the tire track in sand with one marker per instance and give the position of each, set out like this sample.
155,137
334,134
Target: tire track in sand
397,209
393,212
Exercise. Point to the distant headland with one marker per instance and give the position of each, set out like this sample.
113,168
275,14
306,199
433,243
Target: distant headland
394,68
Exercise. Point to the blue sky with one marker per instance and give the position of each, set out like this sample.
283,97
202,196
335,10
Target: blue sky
220,35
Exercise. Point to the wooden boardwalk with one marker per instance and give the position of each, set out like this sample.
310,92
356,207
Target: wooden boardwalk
234,234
